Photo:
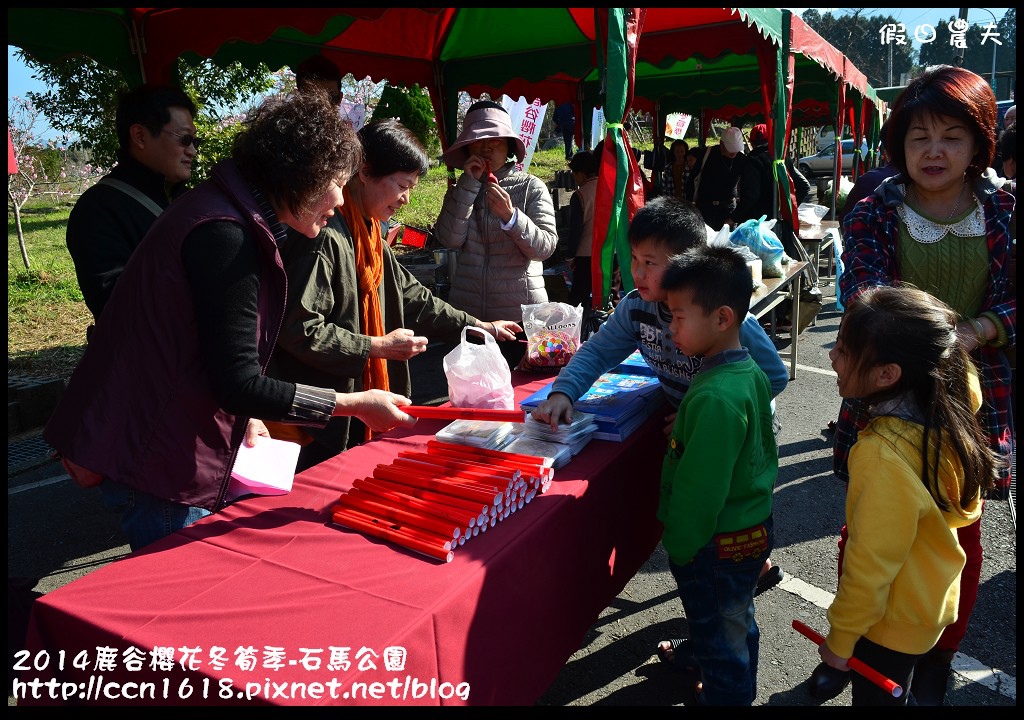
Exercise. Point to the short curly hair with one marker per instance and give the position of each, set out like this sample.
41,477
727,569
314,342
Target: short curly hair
294,145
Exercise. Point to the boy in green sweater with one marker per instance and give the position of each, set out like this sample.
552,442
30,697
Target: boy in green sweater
717,478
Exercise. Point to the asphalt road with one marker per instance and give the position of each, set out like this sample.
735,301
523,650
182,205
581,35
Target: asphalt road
58,532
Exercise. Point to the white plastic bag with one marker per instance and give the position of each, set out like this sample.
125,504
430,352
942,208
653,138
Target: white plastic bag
756,264
478,375
552,335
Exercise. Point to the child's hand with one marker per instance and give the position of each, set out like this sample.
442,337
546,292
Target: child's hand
831,659
557,407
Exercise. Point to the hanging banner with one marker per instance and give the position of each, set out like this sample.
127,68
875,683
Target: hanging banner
12,157
676,125
620,186
527,119
355,113
597,128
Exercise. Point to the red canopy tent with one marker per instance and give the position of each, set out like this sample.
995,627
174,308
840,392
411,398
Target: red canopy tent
541,52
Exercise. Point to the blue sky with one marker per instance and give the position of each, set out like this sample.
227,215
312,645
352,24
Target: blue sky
19,81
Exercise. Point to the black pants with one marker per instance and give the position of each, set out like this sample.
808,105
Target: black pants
567,138
582,283
897,666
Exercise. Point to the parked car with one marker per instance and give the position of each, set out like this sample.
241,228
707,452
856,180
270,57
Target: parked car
823,162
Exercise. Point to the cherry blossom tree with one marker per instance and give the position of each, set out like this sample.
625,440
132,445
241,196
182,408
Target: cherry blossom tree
53,168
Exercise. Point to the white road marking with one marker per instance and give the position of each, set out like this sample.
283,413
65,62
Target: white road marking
820,371
38,484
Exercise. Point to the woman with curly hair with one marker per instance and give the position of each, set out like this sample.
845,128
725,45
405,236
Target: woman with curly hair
172,381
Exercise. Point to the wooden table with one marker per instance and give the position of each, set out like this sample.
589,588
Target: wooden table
819,238
772,292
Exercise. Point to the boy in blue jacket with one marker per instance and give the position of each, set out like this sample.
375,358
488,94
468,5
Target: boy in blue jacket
664,227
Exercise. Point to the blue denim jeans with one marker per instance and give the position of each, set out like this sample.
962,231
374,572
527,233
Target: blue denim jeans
145,518
718,599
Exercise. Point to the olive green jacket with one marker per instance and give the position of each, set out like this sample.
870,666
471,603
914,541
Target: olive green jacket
320,341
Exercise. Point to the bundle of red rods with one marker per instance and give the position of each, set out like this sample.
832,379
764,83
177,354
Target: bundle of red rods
433,502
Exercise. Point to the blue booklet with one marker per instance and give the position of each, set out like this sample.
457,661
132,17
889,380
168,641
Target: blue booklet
613,399
621,431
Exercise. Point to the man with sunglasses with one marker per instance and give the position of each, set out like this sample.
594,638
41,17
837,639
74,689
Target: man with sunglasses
156,146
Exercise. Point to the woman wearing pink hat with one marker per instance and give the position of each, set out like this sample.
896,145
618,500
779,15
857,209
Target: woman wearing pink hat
503,227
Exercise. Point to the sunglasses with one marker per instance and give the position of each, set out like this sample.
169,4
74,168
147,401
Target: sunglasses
186,140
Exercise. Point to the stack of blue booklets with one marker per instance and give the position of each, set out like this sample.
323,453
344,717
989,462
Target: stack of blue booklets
634,365
619,402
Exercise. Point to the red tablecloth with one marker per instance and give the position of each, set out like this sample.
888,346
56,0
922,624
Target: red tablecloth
272,575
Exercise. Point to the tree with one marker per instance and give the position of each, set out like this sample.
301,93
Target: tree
979,49
859,38
413,108
82,98
54,168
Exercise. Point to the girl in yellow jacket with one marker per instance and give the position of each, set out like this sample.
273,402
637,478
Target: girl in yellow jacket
916,474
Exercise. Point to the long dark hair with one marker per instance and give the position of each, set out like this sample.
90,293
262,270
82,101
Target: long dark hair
909,327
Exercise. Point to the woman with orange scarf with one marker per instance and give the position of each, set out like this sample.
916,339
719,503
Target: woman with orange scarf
355,315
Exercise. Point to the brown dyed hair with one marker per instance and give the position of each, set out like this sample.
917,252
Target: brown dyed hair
948,91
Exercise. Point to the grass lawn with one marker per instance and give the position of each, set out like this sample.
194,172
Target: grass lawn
46,316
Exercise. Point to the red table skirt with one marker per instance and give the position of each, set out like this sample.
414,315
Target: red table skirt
268,602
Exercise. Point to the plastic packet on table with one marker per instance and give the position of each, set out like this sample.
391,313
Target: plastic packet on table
811,213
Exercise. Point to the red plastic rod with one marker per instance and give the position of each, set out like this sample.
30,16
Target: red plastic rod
461,413
856,665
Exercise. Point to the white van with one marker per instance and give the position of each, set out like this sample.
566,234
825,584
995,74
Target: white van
826,136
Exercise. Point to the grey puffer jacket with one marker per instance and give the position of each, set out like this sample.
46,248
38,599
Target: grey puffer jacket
498,270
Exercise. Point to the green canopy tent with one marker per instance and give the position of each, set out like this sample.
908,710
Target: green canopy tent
760,66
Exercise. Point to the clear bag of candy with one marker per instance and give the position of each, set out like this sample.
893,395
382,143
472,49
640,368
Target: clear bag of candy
552,335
